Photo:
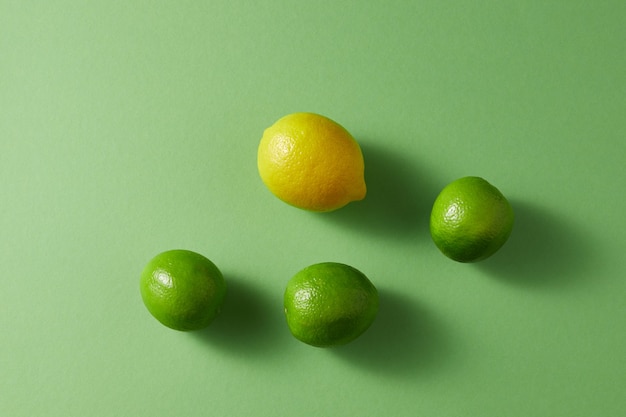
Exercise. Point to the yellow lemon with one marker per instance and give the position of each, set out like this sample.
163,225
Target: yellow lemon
311,162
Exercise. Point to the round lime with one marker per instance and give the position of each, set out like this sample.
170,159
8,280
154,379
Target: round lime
470,220
182,289
329,304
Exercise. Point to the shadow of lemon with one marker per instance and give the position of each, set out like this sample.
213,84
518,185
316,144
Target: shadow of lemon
398,201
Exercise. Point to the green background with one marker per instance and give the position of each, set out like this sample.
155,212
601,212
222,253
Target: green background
131,127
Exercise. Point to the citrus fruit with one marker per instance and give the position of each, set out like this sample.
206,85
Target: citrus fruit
329,304
182,289
470,220
311,162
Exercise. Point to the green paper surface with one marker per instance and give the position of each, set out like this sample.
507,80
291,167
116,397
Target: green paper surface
130,128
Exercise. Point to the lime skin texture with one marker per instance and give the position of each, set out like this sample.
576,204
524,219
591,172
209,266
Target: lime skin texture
182,289
329,304
470,220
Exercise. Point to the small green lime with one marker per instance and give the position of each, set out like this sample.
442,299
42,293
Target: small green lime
329,304
470,220
182,289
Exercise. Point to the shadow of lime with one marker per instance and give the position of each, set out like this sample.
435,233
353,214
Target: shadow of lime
248,322
399,197
545,249
406,340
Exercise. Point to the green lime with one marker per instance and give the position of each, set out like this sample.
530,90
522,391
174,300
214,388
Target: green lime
182,289
470,220
329,304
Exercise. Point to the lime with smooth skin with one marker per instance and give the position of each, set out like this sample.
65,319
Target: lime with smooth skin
470,220
182,289
329,304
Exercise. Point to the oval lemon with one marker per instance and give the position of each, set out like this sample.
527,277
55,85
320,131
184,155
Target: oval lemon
311,162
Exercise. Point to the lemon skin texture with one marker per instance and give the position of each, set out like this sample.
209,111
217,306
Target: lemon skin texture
182,289
311,162
470,220
329,304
